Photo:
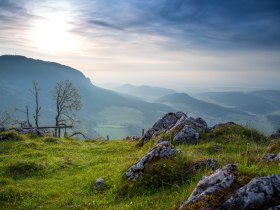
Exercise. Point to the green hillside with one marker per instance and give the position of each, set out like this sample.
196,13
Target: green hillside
49,173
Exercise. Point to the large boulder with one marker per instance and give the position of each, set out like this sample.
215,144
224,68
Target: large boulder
187,135
220,180
173,123
161,150
162,125
258,193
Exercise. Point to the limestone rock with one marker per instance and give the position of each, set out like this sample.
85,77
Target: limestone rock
272,157
220,180
162,125
257,193
187,135
161,150
99,185
173,123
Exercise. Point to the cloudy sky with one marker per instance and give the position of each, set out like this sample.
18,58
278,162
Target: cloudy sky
173,43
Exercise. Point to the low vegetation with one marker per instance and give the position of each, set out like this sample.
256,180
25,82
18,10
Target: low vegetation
56,173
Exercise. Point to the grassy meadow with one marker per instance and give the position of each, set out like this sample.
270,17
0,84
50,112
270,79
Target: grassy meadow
50,173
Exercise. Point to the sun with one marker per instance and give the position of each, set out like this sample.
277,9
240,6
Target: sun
51,34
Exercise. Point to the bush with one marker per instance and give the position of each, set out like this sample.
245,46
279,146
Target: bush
10,136
22,169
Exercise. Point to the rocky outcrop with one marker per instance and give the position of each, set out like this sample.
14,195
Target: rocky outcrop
161,150
272,157
276,134
162,125
187,135
174,123
99,185
254,195
220,180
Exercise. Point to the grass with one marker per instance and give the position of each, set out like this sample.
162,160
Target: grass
50,173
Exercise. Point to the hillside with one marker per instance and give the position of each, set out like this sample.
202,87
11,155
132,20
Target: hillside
49,173
99,105
212,112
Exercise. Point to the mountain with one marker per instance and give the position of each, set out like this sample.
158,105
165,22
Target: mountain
213,113
100,106
145,92
264,104
258,102
271,95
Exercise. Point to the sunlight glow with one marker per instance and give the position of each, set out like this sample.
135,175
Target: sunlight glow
51,34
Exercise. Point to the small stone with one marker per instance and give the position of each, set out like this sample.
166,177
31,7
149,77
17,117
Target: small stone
272,157
99,185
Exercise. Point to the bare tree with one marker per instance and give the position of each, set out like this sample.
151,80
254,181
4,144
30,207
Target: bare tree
26,112
68,101
35,91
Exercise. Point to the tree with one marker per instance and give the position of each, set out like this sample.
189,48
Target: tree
35,91
68,101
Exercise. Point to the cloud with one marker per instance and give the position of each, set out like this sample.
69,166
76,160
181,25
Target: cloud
214,24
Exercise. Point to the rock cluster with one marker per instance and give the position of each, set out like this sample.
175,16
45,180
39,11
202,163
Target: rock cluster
254,195
220,180
161,150
183,127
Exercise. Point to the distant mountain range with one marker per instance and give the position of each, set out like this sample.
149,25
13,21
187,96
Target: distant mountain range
126,110
257,102
145,92
212,112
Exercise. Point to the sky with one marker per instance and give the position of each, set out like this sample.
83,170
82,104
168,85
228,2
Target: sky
179,44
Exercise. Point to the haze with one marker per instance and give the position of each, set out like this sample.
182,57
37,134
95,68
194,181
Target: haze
178,44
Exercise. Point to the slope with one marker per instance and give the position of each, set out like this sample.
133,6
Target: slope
18,72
